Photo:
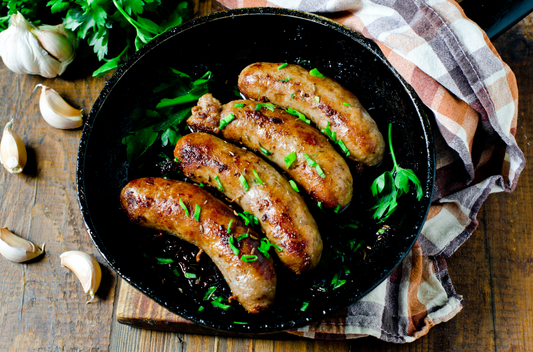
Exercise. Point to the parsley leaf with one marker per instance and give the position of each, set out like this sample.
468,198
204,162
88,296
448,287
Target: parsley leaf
390,185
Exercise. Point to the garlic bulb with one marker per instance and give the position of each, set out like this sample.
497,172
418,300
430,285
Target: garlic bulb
56,111
16,248
86,269
44,50
12,150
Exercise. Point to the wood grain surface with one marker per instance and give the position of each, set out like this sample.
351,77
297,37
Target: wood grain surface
43,307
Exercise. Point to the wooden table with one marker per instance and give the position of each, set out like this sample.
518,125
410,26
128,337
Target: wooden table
42,305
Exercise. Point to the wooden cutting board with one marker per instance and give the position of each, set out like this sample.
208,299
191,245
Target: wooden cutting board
136,309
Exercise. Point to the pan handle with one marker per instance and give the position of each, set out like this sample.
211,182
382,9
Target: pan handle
496,17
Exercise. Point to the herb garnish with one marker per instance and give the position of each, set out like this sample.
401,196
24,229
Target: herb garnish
294,186
316,73
184,207
164,260
290,159
249,258
231,242
257,177
177,97
265,151
282,66
197,210
244,183
299,114
390,185
226,120
220,187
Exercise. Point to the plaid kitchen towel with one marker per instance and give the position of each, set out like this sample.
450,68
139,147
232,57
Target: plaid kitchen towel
458,74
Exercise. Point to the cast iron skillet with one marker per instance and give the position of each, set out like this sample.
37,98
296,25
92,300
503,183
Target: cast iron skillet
224,43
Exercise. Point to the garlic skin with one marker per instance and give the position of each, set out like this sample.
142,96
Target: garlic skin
13,153
86,269
56,111
45,50
17,249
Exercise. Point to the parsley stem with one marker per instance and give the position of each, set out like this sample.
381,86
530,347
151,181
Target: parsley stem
390,146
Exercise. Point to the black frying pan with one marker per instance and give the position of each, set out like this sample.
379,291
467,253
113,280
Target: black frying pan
224,43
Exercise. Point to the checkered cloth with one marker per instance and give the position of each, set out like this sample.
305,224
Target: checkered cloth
458,74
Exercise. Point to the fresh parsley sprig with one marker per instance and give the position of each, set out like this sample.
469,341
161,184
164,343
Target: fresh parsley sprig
177,96
390,185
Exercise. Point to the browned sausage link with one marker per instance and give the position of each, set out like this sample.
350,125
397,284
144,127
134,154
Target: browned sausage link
281,211
322,100
155,203
319,169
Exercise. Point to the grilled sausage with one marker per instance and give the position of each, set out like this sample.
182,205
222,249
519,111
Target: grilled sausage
155,203
322,100
281,211
319,169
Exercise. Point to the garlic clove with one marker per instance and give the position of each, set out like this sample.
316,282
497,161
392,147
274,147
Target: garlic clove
17,249
13,153
22,52
57,41
86,269
56,111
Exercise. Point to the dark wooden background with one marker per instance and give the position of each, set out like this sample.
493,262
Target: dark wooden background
42,305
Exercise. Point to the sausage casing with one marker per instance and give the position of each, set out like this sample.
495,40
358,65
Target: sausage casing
281,211
274,133
155,203
322,100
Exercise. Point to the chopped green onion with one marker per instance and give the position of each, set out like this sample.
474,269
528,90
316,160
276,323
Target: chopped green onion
190,275
264,247
184,207
240,322
239,105
197,210
304,306
343,147
289,159
176,272
231,242
164,261
299,114
310,161
258,107
282,66
201,185
316,73
220,187
339,284
224,122
294,186
246,220
320,172
176,160
244,183
257,177
346,104
327,132
229,226
264,151
200,308
209,293
337,208
317,98
354,247
219,304
269,106
346,270
241,237
249,258
285,79
319,204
